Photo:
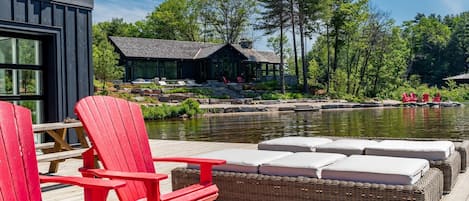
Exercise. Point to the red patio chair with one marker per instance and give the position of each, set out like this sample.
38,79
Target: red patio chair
437,98
19,175
405,98
117,131
425,97
413,97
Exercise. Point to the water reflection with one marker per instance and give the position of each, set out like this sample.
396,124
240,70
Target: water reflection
387,122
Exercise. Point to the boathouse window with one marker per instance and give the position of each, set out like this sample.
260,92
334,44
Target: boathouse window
21,73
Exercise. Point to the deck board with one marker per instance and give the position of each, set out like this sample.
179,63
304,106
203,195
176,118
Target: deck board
164,148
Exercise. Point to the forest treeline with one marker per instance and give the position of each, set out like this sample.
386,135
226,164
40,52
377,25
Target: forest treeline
359,50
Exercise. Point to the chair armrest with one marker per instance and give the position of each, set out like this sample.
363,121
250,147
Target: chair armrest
83,182
200,161
205,165
136,176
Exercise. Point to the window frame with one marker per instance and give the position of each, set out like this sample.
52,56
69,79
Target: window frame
16,98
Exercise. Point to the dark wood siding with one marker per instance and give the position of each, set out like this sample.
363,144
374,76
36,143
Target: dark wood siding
34,11
65,26
82,53
70,57
5,10
46,13
19,9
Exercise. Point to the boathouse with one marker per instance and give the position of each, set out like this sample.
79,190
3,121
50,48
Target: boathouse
45,55
154,58
460,79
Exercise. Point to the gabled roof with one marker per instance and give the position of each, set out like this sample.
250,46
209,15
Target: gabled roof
171,49
458,77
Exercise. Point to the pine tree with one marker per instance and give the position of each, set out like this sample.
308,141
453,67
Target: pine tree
274,18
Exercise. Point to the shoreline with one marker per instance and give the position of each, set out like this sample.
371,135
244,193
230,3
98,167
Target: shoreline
310,106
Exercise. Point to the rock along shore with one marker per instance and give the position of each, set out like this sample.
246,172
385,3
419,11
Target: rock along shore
220,106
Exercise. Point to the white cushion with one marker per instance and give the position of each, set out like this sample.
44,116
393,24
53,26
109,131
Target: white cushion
430,150
377,169
306,164
345,146
293,144
242,160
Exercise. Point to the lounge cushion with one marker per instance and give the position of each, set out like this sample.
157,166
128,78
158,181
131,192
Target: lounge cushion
293,144
306,164
430,150
346,146
377,169
242,160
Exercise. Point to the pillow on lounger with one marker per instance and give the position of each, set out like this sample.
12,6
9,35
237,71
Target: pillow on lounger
308,164
346,146
293,144
377,169
241,160
430,150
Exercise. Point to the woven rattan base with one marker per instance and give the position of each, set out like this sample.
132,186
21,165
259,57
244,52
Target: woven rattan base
463,149
256,187
451,168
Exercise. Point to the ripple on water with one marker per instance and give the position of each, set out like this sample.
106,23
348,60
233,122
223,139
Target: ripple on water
389,122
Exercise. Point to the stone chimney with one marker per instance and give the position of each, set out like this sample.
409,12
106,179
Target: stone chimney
245,43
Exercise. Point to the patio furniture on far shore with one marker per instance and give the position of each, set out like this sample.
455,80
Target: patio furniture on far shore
425,97
437,98
20,179
117,131
300,176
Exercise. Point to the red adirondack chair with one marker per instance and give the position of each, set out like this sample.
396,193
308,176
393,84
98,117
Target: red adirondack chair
19,175
425,97
437,98
117,131
413,97
405,98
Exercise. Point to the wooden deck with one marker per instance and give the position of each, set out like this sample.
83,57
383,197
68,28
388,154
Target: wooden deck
184,148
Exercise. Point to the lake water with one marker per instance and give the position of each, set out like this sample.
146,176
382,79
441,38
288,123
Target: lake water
252,128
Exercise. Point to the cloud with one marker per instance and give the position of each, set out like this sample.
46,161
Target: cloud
130,11
454,6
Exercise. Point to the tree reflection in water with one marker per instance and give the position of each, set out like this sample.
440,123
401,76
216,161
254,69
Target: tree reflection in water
415,122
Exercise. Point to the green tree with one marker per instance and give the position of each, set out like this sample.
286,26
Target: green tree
310,14
428,38
173,20
274,18
105,61
115,27
228,18
293,16
274,44
457,51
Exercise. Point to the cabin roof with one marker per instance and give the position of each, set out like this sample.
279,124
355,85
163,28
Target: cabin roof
172,49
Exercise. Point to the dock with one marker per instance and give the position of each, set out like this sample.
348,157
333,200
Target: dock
166,148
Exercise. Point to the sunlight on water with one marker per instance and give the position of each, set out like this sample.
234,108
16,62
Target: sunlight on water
388,122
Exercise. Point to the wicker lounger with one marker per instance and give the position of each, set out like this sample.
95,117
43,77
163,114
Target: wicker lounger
451,168
256,187
461,146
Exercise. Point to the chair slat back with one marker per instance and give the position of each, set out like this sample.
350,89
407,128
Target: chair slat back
117,130
19,178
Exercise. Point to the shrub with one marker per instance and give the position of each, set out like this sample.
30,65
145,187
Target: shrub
267,85
188,107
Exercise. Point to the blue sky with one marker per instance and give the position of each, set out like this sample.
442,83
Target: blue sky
400,10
